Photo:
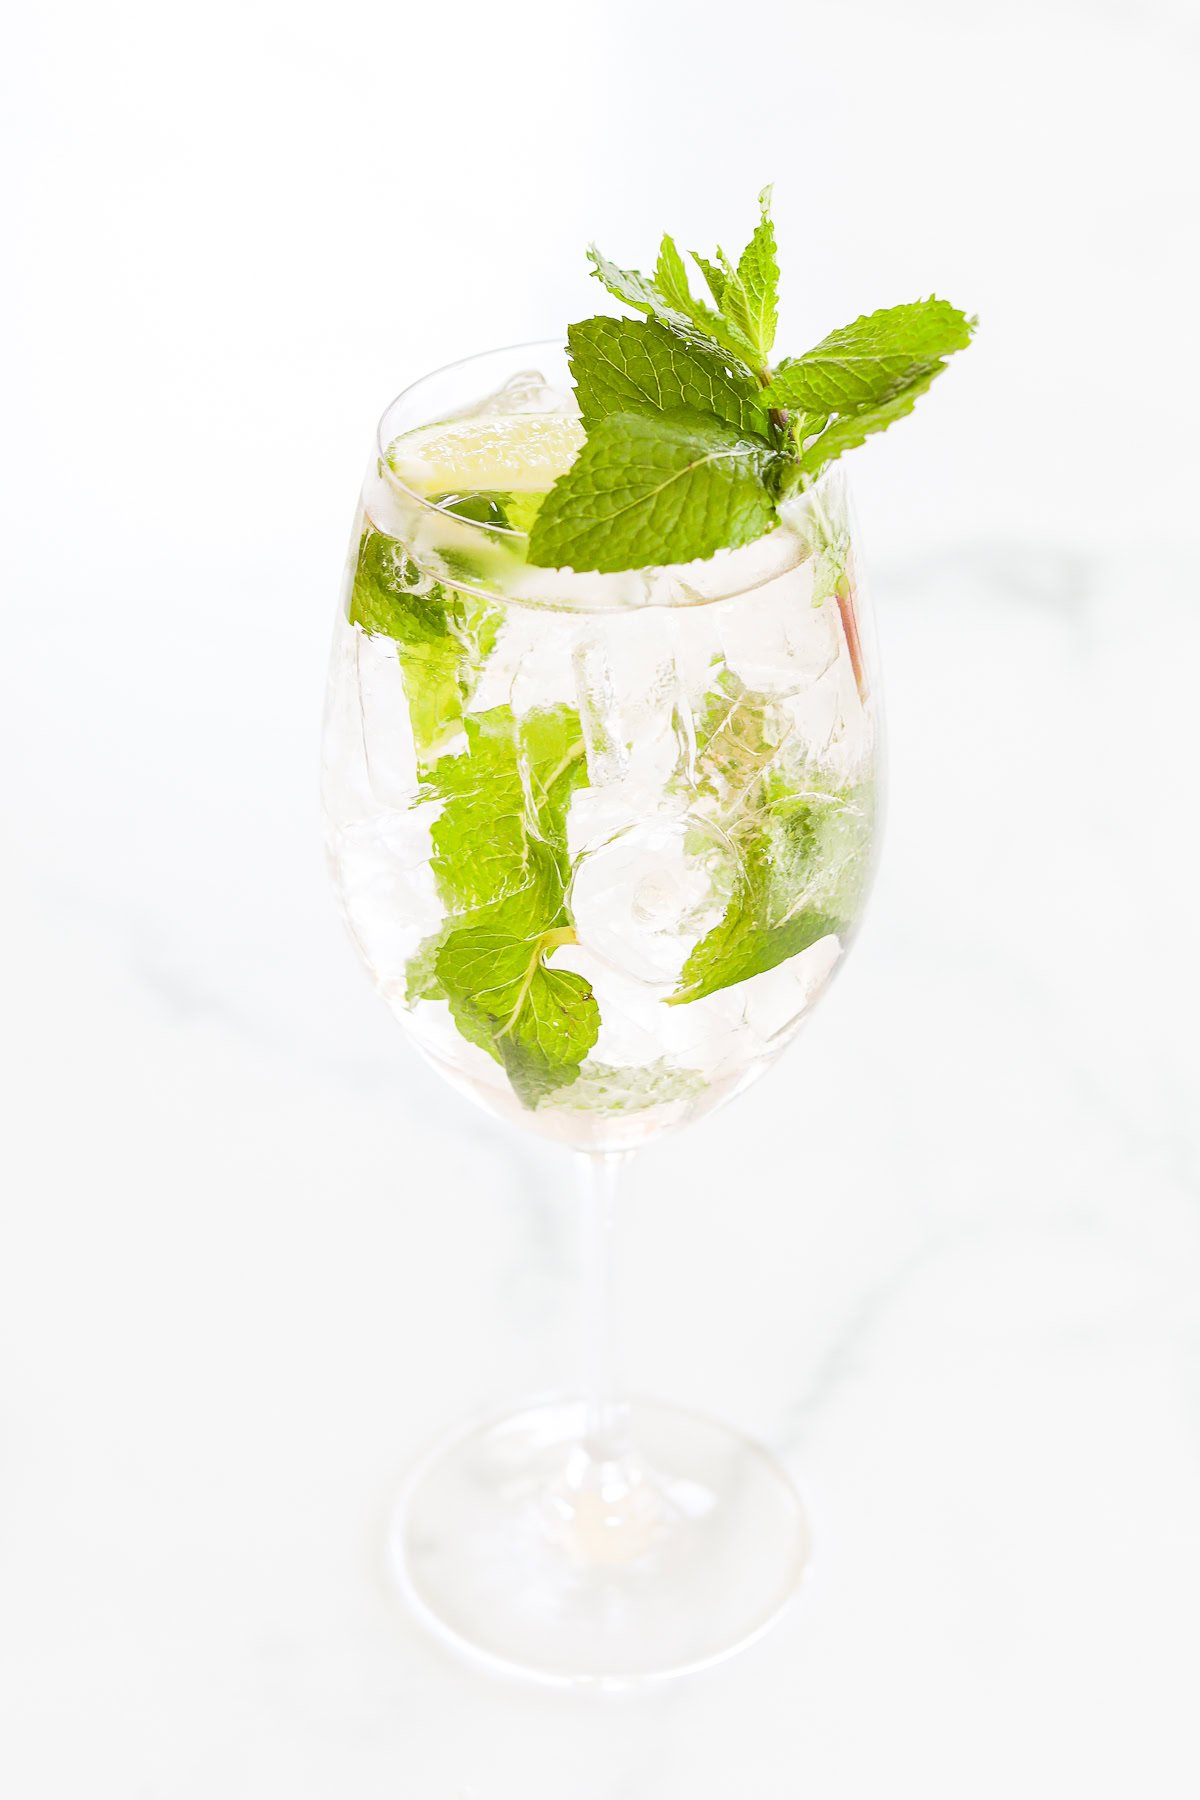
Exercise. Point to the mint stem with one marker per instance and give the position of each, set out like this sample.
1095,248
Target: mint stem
555,940
776,414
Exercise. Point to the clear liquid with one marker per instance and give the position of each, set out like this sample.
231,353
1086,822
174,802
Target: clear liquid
729,750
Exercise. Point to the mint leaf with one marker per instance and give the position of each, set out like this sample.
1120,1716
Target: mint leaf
499,842
866,363
502,831
736,309
803,845
817,842
553,762
739,735
631,286
442,637
679,312
538,1022
742,946
805,858
831,563
747,318
731,325
847,433
611,1088
655,488
421,980
671,280
384,597
621,365
755,305
713,273
501,865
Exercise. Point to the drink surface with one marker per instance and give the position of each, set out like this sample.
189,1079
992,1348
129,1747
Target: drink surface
600,840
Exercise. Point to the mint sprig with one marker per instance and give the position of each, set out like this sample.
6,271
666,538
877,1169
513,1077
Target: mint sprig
802,843
500,861
538,1022
641,493
745,943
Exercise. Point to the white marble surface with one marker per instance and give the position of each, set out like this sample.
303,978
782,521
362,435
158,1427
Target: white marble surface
946,1259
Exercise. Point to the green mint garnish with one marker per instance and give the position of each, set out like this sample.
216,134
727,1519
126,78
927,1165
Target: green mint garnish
501,865
693,437
501,833
611,1089
803,846
744,944
538,1022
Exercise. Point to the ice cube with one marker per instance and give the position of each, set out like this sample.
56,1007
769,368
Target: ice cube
644,898
345,788
776,641
526,391
530,665
775,1001
387,739
383,875
629,694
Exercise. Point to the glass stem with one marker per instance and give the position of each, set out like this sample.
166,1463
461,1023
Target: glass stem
598,1176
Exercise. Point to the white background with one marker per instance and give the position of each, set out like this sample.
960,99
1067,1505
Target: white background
946,1259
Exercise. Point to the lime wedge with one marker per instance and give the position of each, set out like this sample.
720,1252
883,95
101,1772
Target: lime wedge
521,453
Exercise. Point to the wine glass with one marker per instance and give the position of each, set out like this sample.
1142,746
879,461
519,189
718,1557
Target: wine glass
601,841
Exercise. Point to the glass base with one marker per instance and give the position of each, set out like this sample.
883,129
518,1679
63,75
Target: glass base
668,1545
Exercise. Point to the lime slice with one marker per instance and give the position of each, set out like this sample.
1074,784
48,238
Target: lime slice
521,453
